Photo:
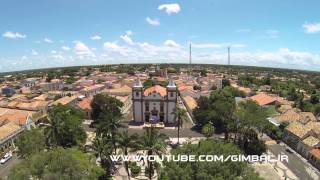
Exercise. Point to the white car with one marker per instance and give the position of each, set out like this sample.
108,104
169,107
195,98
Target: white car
5,158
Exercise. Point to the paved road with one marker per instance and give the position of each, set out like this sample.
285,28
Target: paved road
186,132
299,166
5,168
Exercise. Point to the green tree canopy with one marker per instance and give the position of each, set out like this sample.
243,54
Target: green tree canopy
64,127
30,142
207,170
64,164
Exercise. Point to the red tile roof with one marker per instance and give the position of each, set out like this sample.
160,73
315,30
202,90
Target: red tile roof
157,88
263,99
85,103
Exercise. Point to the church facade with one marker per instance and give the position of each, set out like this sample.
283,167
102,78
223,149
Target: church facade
155,104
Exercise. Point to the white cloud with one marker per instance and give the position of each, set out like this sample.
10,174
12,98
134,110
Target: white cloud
171,43
65,48
170,8
58,57
311,28
24,58
114,47
209,45
126,38
13,35
96,37
34,52
154,22
213,45
81,49
53,52
47,40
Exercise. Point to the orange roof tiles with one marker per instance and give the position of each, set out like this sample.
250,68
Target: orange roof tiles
315,152
190,101
263,99
85,103
13,115
157,88
8,129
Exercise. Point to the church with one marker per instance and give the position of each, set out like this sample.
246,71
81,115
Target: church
155,104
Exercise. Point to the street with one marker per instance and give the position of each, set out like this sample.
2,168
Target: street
299,166
5,168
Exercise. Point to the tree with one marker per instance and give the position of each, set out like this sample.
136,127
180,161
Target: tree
207,170
154,143
30,142
57,164
217,109
126,142
106,112
207,130
64,127
103,149
251,118
103,103
180,115
108,127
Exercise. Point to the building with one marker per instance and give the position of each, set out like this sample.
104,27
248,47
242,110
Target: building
53,85
264,100
8,133
92,90
155,104
8,91
29,82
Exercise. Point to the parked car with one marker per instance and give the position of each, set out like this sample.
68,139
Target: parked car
6,158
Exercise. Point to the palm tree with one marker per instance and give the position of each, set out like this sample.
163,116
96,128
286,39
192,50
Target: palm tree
180,115
103,149
154,143
125,142
108,126
54,126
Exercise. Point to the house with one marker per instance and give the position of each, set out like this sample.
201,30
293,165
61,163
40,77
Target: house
8,133
295,132
314,157
307,144
20,117
293,115
302,137
29,82
85,105
155,104
53,85
8,91
263,99
67,100
92,90
190,103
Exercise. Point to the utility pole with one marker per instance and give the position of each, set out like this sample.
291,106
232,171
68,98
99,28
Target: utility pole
229,55
190,59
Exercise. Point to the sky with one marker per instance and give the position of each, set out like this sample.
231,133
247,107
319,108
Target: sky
46,33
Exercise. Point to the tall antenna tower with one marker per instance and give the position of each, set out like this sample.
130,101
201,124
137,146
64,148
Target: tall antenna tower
228,55
190,59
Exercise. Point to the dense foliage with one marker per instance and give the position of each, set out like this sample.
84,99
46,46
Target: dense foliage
58,163
207,170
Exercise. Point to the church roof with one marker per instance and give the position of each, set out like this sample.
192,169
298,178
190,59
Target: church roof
157,89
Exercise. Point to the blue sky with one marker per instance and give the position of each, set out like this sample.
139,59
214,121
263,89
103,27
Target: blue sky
45,33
